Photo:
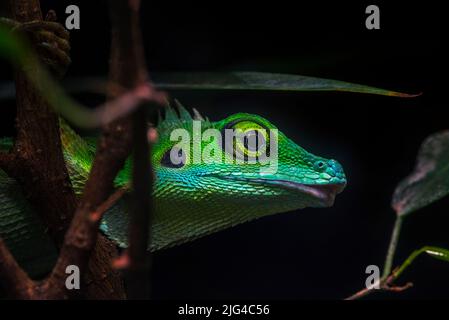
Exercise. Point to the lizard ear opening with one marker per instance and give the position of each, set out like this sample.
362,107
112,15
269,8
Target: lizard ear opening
174,158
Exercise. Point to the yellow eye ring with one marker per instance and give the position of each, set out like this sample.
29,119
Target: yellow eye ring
251,140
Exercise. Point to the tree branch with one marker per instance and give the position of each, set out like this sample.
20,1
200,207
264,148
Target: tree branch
136,259
139,267
386,281
78,243
39,165
113,148
40,169
11,275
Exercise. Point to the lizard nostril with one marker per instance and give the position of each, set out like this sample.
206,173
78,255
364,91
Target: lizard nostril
320,165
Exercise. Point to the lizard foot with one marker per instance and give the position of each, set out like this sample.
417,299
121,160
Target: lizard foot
49,38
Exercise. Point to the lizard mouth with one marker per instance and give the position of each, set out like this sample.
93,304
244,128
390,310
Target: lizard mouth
323,193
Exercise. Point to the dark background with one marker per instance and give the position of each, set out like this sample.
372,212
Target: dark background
312,253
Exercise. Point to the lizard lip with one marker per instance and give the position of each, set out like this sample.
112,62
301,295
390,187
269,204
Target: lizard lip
325,193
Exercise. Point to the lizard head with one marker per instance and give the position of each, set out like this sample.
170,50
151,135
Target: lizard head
262,167
208,179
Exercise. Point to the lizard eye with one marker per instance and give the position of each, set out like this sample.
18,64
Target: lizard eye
174,158
250,140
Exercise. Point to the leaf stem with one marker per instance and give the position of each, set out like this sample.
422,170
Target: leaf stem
392,247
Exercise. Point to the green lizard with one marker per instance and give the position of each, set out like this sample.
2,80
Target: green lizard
191,199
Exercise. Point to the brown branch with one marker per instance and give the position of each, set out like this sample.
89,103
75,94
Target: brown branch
135,262
38,129
139,267
127,103
40,169
82,234
75,251
386,284
114,145
11,275
105,206
39,165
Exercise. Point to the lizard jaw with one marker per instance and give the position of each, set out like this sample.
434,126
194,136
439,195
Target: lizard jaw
324,193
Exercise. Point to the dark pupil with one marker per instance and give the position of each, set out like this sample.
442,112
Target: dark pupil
253,141
167,161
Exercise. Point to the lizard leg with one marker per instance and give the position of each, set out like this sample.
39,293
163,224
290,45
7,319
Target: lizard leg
49,38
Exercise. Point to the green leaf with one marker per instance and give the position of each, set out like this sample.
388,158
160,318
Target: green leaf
10,46
429,181
19,53
437,253
261,81
434,252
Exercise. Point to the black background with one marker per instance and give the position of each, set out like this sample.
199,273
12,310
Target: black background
312,253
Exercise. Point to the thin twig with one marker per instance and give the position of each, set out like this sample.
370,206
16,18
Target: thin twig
392,246
135,262
386,284
113,198
387,276
360,294
139,266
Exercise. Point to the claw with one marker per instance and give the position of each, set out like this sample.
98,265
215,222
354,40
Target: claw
51,26
54,52
50,39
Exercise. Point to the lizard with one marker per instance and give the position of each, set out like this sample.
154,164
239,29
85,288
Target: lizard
191,199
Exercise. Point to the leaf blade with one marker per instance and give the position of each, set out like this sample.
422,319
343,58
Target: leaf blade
435,252
262,81
438,253
429,181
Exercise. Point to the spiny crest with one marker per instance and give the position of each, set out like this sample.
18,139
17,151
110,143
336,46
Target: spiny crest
178,118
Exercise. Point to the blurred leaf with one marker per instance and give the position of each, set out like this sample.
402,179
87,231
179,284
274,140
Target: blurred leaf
19,53
260,81
429,181
10,47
